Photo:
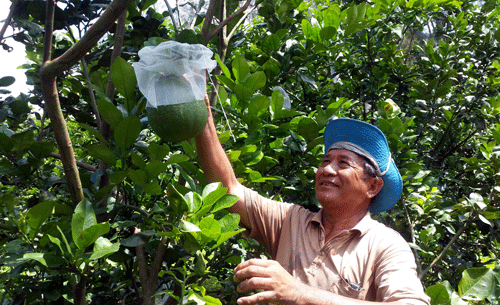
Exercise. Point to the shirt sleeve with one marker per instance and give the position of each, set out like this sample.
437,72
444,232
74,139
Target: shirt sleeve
266,220
395,276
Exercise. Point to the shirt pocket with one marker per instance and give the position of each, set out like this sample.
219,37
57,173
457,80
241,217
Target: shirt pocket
350,290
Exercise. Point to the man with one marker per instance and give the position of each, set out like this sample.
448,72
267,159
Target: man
338,255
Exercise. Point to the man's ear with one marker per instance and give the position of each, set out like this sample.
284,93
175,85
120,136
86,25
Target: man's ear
374,186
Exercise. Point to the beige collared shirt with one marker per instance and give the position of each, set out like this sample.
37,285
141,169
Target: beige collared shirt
369,262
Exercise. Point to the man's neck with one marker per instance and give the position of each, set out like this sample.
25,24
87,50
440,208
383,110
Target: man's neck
335,223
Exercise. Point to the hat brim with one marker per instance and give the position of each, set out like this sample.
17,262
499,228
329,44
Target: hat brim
371,139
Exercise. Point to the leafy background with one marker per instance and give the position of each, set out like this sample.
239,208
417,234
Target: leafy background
149,229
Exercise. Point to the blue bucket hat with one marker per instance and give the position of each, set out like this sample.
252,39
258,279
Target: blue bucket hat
367,141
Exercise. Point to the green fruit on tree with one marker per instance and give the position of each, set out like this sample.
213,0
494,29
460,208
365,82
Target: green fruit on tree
183,118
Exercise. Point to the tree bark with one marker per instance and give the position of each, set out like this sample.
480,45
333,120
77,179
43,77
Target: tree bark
7,21
48,76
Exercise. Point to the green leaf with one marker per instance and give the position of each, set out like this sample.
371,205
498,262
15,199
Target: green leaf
41,149
253,158
271,43
199,264
83,218
310,32
6,143
186,226
308,128
272,65
154,168
23,140
477,284
439,295
7,81
259,105
228,200
211,300
123,77
138,160
229,222
255,81
103,247
308,80
242,92
223,67
385,126
158,152
66,244
8,201
109,113
50,260
38,214
176,201
388,109
138,176
127,131
177,158
210,228
213,192
117,177
91,234
240,68
56,241
135,240
93,132
103,153
153,188
194,201
225,236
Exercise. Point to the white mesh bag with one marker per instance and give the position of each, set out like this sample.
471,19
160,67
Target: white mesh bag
171,60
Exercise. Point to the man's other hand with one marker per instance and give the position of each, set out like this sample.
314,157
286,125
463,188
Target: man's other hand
279,286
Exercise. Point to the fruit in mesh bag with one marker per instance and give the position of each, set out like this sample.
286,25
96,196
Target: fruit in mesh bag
183,118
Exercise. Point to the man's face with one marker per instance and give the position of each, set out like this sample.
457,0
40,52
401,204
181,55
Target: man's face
341,182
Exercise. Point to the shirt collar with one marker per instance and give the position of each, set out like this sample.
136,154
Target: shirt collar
361,227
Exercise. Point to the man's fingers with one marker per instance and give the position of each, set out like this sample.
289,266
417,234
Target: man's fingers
249,272
255,283
253,262
258,298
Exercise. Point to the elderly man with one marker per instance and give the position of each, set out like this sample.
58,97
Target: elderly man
338,255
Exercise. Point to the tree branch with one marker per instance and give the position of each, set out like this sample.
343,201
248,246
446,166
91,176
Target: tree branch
7,21
450,243
142,265
78,163
89,40
158,260
205,30
105,129
412,236
48,74
227,20
53,107
456,147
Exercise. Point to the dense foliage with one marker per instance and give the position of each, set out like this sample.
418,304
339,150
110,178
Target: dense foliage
425,71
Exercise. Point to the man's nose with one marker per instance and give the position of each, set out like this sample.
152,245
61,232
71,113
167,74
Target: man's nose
330,169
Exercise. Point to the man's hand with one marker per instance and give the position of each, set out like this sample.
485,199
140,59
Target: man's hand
279,286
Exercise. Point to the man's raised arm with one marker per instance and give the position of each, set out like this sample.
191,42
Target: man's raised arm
217,167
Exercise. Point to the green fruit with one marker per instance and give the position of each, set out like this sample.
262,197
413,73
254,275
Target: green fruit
180,121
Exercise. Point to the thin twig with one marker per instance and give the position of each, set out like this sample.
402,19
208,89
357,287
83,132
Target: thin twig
412,236
227,20
171,13
9,18
450,243
78,163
